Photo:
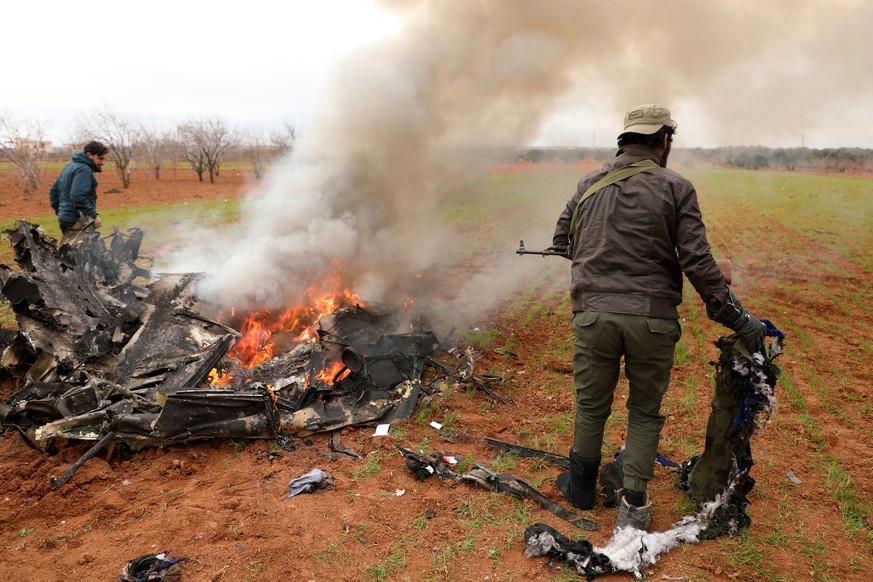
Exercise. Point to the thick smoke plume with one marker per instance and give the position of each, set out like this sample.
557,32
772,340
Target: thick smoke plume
401,123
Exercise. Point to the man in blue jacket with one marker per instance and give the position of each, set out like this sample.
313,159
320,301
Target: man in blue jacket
74,193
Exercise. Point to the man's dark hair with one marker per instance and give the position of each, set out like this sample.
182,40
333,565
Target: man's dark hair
96,148
651,140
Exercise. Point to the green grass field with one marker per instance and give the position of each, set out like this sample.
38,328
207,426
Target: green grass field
154,217
801,249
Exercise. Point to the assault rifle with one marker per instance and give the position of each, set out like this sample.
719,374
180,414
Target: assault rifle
523,251
723,264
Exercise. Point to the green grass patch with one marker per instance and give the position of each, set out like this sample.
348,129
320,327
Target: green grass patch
745,554
327,556
688,401
854,513
370,468
680,355
795,398
504,463
391,564
482,338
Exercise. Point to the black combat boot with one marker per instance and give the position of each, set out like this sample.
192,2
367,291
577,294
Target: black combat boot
611,481
579,484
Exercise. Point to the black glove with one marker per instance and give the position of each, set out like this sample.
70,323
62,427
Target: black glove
751,332
733,315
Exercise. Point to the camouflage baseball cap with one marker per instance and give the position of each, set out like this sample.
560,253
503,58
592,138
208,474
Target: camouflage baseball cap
647,119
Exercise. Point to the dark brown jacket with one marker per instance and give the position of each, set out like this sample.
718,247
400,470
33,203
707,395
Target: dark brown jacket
635,238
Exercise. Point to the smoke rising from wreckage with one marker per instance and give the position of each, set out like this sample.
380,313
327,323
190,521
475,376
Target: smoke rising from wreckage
104,355
503,70
140,362
221,500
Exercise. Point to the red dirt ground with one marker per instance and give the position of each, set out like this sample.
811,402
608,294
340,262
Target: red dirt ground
221,504
172,188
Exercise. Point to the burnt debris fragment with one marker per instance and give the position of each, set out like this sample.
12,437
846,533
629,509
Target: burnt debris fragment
152,567
110,352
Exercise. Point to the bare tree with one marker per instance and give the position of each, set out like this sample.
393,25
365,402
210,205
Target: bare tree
23,144
256,151
205,142
116,132
174,151
156,148
284,138
189,147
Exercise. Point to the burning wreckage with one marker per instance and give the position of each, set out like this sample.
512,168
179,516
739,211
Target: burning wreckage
109,359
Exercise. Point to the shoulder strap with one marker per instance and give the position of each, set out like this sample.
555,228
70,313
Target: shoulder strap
611,178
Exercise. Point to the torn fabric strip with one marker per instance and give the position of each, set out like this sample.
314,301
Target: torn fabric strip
749,384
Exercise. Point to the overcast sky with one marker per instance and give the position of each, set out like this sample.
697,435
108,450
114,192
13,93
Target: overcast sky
740,72
254,63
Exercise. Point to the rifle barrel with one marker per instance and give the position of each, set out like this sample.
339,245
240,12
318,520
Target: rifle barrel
523,251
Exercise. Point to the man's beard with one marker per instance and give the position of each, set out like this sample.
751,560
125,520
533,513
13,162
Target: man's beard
666,154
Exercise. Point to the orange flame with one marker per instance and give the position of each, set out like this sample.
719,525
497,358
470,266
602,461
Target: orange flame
216,378
327,375
324,304
256,344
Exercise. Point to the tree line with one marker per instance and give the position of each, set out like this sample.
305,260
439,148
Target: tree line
828,160
203,144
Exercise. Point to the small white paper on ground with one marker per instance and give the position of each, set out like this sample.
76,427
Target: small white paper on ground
382,430
450,460
400,492
435,424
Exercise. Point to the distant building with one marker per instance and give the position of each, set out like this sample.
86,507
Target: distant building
40,146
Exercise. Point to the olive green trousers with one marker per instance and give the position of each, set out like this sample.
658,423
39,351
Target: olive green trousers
647,345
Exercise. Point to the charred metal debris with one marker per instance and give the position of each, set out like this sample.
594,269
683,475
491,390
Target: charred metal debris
426,465
111,353
153,568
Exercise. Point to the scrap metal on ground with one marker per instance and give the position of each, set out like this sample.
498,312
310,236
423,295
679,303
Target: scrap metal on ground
111,353
425,465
